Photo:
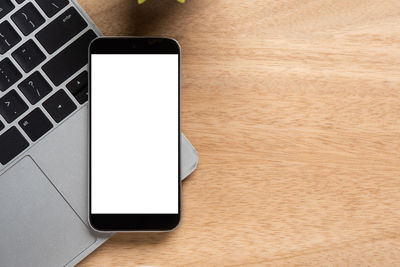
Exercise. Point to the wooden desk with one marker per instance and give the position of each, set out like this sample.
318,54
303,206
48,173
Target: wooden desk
294,108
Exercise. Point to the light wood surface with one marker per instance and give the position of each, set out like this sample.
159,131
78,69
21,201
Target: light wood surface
294,108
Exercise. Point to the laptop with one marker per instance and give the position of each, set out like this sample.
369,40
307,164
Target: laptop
44,135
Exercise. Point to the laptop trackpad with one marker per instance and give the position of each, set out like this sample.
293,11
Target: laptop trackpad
32,211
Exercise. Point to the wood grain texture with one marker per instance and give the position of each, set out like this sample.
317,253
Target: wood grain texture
294,109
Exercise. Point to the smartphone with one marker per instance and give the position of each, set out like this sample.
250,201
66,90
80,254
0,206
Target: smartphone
134,102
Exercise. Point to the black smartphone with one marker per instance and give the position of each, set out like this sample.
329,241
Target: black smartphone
134,101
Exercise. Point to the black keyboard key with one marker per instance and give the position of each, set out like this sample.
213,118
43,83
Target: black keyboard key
51,7
70,60
35,87
5,7
28,56
28,19
20,1
79,83
12,143
8,37
1,126
12,106
35,124
79,87
8,74
82,96
59,106
61,30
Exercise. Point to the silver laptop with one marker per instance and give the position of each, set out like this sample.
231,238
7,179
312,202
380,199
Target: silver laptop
43,134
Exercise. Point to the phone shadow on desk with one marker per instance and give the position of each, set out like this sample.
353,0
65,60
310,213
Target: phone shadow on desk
138,239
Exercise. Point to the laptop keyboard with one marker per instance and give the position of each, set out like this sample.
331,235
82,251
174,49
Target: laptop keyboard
43,54
27,19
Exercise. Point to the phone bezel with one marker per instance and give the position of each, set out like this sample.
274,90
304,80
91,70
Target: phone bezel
134,222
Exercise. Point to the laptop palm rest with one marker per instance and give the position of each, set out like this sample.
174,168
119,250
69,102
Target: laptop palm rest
38,212
65,163
60,169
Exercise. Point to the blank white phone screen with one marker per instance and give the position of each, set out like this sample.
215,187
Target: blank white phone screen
134,134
